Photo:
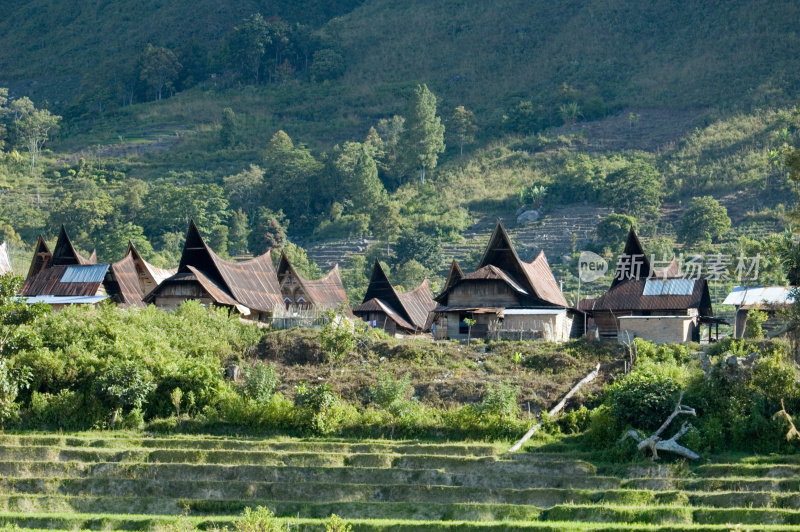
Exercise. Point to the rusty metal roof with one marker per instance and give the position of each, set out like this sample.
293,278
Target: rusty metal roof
326,292
127,272
41,258
65,254
49,282
252,283
629,296
535,280
412,306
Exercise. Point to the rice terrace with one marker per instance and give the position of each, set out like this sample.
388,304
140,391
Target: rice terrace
426,265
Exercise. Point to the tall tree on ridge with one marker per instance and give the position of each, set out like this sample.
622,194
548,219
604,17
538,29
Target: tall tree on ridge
423,138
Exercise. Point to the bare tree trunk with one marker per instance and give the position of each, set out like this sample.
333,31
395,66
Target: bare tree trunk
654,443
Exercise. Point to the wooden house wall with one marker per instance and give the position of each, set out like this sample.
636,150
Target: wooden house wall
483,294
382,320
171,295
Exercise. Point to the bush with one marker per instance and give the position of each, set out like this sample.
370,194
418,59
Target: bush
260,381
754,325
260,520
647,395
389,389
319,409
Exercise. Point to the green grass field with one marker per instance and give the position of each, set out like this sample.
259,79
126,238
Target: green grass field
130,481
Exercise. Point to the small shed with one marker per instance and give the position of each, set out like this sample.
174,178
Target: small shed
769,299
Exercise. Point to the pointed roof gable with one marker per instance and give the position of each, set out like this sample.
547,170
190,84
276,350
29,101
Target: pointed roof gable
156,273
545,284
41,258
64,254
127,274
253,283
633,263
326,292
453,276
536,278
412,306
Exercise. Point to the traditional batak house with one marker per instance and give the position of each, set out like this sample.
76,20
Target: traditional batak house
507,297
134,278
656,305
64,276
398,313
310,296
769,299
250,287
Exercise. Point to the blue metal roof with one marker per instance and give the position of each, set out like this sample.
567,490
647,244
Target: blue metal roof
85,274
668,287
66,300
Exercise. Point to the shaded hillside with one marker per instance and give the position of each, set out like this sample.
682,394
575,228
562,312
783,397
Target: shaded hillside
610,54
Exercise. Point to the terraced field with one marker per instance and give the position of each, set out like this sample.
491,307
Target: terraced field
129,481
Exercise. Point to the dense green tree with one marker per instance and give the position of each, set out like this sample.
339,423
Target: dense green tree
409,275
461,127
248,45
171,207
159,68
291,175
33,127
245,190
228,130
239,231
636,189
269,231
327,64
389,153
299,259
3,112
423,137
703,222
421,247
354,175
613,229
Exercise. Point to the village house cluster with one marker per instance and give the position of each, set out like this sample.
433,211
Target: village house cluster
504,298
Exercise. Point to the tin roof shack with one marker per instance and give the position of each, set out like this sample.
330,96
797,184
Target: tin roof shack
507,297
398,313
250,287
135,278
649,303
769,299
308,296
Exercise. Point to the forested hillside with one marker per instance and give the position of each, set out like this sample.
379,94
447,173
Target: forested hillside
405,127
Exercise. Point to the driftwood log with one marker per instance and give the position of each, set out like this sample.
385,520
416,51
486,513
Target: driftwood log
655,443
556,409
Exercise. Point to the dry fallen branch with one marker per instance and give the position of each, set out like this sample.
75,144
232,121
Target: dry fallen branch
792,433
655,443
556,409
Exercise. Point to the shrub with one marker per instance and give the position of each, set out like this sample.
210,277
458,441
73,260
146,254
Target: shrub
319,409
123,383
337,524
11,381
754,325
500,401
260,520
260,381
389,389
647,395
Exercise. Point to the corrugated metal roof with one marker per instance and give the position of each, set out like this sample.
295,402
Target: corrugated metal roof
493,273
771,295
326,292
85,274
668,287
413,306
629,296
65,300
376,305
534,311
48,282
